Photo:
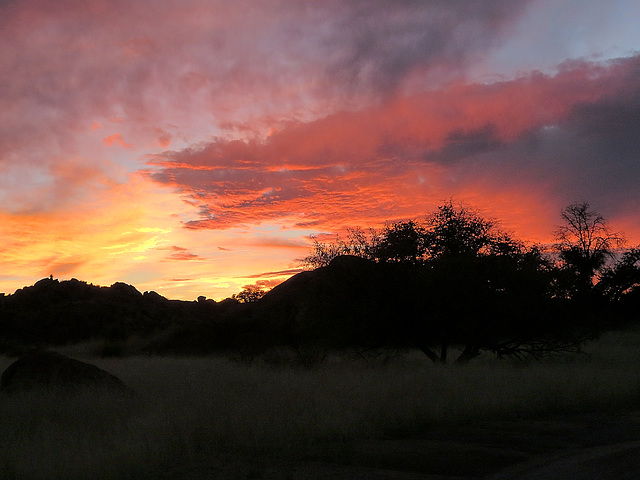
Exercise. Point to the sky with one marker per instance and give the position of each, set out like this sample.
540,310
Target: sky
192,147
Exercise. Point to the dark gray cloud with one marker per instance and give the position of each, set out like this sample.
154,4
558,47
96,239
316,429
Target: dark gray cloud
598,149
377,44
461,144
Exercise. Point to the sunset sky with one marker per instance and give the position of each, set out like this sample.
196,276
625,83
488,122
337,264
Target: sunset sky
191,147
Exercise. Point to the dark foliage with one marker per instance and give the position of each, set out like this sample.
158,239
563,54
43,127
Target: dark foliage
457,230
249,294
585,242
619,287
461,282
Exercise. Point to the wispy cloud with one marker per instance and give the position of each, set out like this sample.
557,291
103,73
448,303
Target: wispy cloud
181,254
280,273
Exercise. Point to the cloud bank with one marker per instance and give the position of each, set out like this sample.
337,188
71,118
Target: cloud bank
567,136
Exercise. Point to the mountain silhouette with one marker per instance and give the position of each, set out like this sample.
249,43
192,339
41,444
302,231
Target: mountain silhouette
53,312
350,301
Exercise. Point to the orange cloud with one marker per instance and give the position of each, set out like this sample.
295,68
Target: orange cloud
116,139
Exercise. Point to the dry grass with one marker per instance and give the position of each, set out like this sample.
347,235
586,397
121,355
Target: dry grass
196,408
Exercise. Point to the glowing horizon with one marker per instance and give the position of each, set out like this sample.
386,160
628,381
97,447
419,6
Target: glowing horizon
191,148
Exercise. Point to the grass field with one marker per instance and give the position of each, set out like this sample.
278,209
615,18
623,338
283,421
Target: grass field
208,410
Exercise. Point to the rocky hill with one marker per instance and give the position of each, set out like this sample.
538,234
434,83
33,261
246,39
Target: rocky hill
62,312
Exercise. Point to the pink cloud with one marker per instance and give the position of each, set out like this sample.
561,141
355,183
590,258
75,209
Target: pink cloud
116,139
402,157
164,138
156,73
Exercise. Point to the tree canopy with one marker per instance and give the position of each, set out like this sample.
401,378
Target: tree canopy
470,285
457,230
452,230
585,242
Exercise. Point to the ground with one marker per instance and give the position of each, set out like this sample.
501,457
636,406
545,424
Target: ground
201,418
592,446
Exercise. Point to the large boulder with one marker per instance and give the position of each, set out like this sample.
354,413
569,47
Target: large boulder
45,371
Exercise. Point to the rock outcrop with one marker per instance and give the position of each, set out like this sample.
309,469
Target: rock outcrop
50,372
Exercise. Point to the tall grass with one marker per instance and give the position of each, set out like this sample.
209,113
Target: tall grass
206,409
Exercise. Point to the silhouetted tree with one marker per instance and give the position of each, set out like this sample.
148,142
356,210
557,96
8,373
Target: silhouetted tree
457,230
464,283
400,242
623,278
488,290
249,294
585,241
322,252
454,229
361,243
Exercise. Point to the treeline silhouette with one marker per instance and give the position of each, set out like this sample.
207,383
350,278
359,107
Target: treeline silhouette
452,283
